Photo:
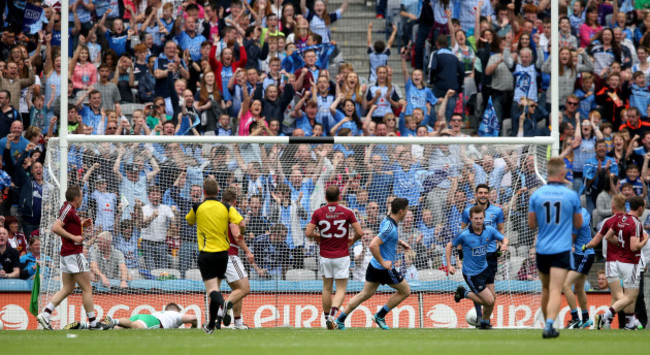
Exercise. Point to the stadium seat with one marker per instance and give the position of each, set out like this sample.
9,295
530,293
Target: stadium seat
135,274
523,251
127,109
300,275
311,263
193,274
171,272
458,276
431,275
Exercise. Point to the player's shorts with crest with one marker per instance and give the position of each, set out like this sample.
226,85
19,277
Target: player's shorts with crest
582,263
383,276
74,264
629,273
335,268
560,260
478,283
235,270
493,263
213,265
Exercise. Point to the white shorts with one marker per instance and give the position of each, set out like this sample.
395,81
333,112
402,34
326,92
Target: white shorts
629,273
74,264
235,270
337,268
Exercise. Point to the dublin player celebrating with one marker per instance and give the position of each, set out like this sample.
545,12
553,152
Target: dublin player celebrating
625,239
74,266
582,261
333,222
493,218
475,240
381,269
554,210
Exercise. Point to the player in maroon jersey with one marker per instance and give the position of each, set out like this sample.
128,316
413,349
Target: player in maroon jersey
236,276
74,266
625,239
333,222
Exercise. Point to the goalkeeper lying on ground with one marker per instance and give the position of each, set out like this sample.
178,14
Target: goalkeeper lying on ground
168,319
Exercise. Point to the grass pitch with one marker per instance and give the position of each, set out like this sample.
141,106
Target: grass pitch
320,341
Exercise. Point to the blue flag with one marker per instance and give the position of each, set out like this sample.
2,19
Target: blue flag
295,61
489,126
32,22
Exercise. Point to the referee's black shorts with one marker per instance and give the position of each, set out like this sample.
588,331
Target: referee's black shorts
213,265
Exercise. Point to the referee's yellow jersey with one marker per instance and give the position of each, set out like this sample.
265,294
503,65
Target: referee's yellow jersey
212,218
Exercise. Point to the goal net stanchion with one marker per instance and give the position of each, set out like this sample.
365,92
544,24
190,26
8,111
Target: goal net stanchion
138,189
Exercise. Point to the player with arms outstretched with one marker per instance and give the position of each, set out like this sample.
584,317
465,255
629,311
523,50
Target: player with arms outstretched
493,218
475,241
381,270
333,222
625,239
236,276
554,210
170,318
582,261
74,266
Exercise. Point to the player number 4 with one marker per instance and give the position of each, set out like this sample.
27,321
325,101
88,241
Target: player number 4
339,229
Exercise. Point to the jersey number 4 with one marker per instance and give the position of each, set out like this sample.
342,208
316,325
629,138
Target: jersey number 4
557,205
338,231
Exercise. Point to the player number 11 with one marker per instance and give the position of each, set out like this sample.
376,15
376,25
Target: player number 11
557,205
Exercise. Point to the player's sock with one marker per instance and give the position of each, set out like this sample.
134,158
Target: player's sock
383,312
549,324
467,292
326,314
216,300
92,319
238,321
220,312
479,310
116,321
585,316
333,311
609,314
629,320
342,317
574,314
47,312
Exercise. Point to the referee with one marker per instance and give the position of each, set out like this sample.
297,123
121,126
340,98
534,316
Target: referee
212,219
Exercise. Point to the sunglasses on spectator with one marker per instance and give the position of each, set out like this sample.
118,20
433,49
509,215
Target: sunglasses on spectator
572,103
390,119
456,120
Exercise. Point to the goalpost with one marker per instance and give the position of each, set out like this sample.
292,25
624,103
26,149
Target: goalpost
282,180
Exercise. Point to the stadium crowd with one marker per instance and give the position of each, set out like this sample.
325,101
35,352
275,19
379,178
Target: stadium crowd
269,68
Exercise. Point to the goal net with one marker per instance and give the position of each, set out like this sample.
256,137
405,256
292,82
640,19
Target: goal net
143,253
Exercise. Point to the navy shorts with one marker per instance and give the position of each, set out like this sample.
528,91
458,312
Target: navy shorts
582,263
383,276
561,260
478,283
493,262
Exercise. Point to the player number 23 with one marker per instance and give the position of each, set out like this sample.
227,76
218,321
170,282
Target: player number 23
339,229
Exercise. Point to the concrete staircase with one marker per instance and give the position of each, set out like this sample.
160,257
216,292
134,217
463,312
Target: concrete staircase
350,33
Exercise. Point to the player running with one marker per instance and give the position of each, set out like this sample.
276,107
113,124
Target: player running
236,276
333,222
170,318
493,218
476,240
213,220
74,266
582,261
381,269
554,210
625,239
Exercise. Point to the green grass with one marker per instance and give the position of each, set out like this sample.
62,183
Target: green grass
320,341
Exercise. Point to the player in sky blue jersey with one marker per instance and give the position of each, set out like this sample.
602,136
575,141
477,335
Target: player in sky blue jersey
475,240
554,210
582,261
381,270
493,218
